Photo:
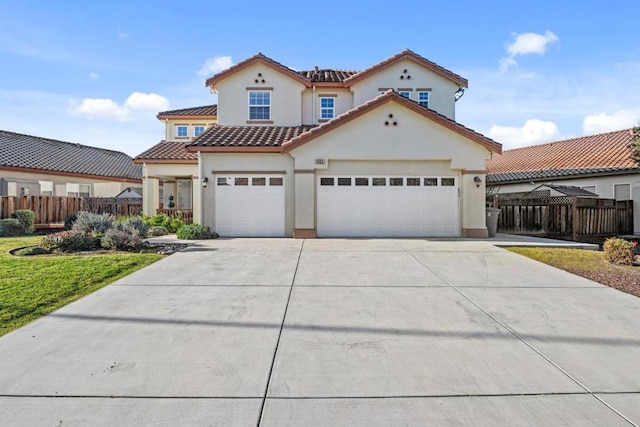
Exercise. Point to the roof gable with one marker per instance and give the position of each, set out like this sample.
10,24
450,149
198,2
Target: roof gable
412,56
259,58
602,153
36,153
391,96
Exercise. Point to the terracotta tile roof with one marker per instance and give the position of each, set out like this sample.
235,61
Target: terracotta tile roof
595,154
33,152
248,136
166,151
407,54
204,110
327,75
257,58
388,96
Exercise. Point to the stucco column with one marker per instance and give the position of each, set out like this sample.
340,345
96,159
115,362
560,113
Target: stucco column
196,201
474,221
305,202
150,193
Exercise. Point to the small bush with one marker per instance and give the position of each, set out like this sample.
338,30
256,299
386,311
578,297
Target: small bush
175,224
122,237
68,223
93,223
195,232
157,231
137,223
31,250
11,227
619,251
69,241
26,218
172,224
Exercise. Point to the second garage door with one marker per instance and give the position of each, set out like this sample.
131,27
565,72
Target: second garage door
250,206
387,206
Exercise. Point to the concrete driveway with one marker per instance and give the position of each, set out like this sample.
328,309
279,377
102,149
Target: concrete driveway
331,332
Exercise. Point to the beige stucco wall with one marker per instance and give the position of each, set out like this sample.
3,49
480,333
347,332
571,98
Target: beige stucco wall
442,98
286,96
213,163
14,181
171,125
604,188
311,103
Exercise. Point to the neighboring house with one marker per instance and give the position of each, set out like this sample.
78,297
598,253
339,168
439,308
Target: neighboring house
130,193
30,165
328,153
600,164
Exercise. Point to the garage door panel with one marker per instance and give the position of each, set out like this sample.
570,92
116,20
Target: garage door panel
388,210
250,206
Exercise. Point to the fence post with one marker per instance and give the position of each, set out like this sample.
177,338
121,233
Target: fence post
574,214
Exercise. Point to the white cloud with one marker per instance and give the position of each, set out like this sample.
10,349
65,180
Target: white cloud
99,108
215,65
147,101
94,76
533,132
105,108
525,44
606,122
122,35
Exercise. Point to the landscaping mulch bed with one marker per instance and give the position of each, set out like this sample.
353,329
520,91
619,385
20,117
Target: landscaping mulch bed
625,281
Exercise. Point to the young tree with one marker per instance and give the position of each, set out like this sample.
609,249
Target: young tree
635,144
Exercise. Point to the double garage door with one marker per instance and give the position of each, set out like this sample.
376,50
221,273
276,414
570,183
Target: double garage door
254,206
387,206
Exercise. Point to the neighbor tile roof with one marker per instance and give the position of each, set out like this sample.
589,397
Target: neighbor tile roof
33,152
327,75
204,110
248,136
167,150
595,154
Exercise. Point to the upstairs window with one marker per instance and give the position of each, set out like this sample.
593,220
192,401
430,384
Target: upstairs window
423,99
327,108
259,105
182,131
405,93
198,130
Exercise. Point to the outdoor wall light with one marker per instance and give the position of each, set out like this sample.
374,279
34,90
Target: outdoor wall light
477,180
205,181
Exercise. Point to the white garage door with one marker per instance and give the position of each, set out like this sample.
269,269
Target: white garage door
250,206
387,206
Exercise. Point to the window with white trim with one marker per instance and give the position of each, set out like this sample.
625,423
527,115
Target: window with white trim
78,190
423,98
327,108
46,188
259,105
198,130
622,192
405,93
182,131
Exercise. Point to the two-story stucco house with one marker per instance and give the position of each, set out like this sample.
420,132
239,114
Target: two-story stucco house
326,153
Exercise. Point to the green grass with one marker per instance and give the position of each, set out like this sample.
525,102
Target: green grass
31,287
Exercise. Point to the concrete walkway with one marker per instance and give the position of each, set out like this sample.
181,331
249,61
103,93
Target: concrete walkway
331,332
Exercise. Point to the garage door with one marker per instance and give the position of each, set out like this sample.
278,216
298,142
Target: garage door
250,206
387,206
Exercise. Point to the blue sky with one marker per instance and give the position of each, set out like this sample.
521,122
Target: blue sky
97,73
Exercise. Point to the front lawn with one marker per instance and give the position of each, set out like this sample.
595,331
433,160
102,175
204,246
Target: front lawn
31,287
589,264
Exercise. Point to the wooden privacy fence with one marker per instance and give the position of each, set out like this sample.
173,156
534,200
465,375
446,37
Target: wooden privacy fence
55,210
564,217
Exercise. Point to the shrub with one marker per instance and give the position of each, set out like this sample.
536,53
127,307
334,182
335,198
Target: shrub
69,241
93,223
158,231
122,237
619,251
175,224
11,227
195,232
137,223
172,224
71,219
26,218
